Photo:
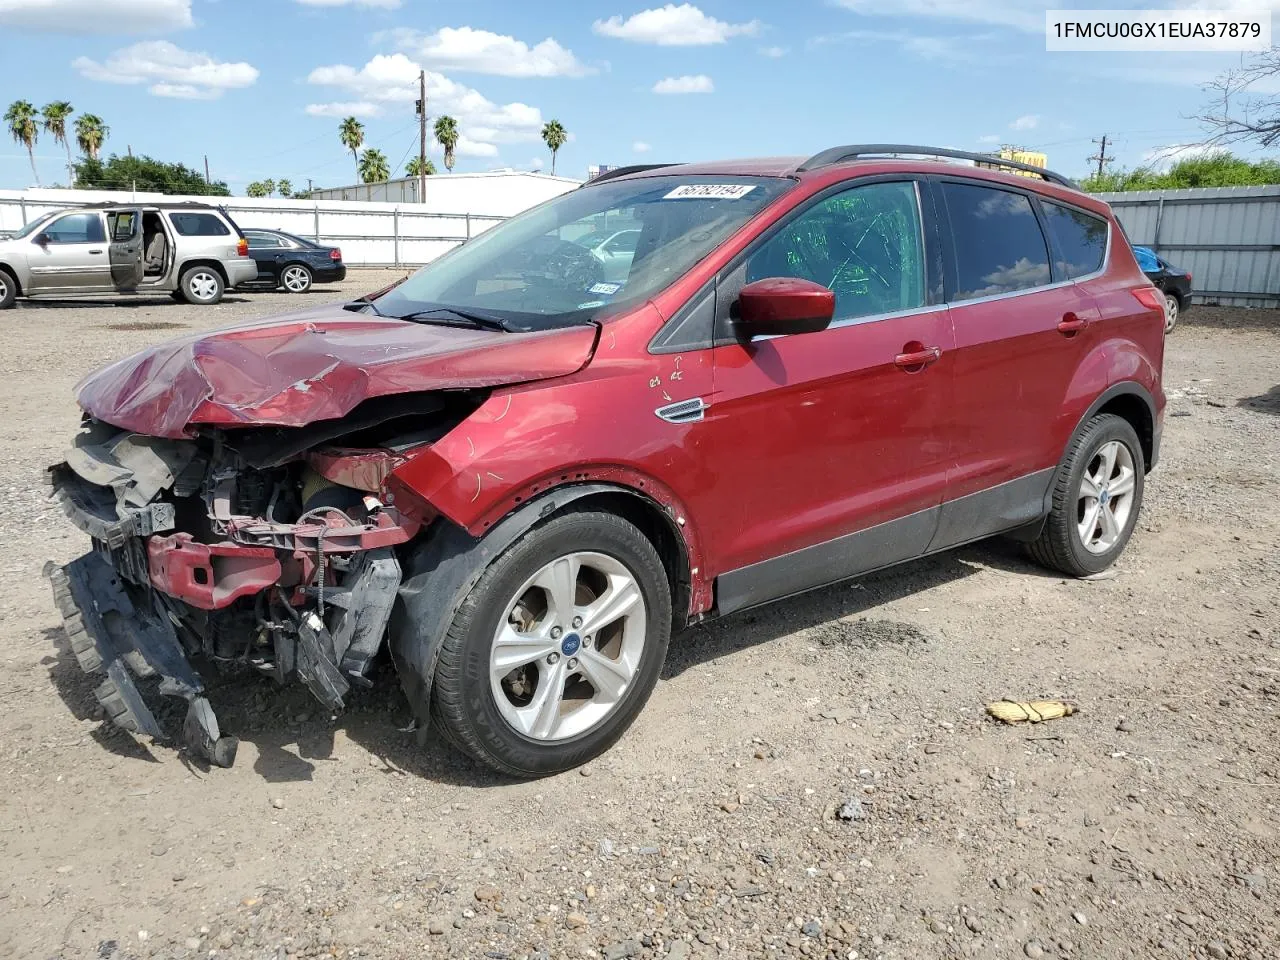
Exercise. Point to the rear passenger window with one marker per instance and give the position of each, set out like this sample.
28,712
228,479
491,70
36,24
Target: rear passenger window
1081,239
999,246
198,225
863,244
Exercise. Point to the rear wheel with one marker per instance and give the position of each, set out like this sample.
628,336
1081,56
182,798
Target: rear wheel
296,278
201,285
8,290
557,647
1096,498
1171,308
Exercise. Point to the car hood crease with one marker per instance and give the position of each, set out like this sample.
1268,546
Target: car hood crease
314,365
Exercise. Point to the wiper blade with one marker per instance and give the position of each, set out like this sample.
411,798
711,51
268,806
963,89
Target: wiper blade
464,318
359,303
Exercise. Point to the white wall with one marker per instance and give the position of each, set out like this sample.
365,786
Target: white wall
373,233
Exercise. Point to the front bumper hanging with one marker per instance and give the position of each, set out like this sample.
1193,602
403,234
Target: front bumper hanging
114,638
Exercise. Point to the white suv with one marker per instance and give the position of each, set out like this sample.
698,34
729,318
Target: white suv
189,250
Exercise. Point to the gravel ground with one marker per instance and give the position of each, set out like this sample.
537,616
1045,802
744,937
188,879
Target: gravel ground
815,779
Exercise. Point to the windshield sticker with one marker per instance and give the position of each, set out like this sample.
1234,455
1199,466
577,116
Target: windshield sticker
605,289
710,191
589,304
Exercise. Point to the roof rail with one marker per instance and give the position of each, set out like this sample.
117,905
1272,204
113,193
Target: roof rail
623,171
854,151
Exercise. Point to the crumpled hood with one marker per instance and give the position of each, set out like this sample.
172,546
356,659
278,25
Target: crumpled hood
314,365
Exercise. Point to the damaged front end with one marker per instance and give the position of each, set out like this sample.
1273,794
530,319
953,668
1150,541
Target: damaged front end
275,548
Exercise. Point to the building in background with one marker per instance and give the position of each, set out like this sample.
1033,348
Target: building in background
596,169
500,193
1019,155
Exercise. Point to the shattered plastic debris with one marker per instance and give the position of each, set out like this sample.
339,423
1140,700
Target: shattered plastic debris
1034,711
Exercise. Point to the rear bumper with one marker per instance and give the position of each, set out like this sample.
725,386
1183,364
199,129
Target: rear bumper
334,274
241,270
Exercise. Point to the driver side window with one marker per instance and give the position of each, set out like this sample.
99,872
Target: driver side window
76,228
864,244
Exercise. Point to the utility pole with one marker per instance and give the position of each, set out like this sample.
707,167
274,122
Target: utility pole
206,168
1101,156
422,136
129,147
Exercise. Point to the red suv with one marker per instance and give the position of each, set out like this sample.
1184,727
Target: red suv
527,464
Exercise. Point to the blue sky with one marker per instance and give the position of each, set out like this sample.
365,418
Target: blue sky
259,85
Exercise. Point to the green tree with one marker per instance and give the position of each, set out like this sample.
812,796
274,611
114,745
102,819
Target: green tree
257,190
21,118
152,176
1216,169
284,188
91,133
373,167
55,117
554,136
446,132
415,168
351,133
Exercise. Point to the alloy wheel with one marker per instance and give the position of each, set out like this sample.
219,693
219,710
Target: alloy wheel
296,280
1170,311
568,647
203,286
1106,497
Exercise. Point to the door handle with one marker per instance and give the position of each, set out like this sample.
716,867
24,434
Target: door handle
95,252
1070,324
917,358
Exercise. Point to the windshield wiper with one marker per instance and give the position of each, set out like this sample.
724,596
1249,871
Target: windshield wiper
359,303
453,317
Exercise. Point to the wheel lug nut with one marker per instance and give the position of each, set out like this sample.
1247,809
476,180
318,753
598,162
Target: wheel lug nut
556,633
577,622
586,641
573,664
553,658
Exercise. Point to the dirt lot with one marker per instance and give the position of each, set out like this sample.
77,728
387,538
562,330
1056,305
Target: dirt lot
1144,826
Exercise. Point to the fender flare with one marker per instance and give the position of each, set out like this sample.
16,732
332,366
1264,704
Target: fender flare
443,571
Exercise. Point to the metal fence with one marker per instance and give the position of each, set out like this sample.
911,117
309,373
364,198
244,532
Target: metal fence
369,234
1228,237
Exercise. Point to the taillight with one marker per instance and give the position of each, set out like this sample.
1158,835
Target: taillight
1188,276
1150,297
242,247
335,254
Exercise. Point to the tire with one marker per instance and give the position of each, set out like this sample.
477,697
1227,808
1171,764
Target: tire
202,286
8,290
482,711
1172,307
177,295
296,278
1062,544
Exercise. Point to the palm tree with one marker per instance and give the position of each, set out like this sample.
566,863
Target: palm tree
21,118
91,132
446,132
284,188
351,133
554,136
55,122
416,168
373,167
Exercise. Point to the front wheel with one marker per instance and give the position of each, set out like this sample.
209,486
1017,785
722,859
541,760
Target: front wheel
202,286
1096,498
557,647
295,278
8,290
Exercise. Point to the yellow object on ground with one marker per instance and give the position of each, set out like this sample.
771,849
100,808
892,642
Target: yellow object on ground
1034,711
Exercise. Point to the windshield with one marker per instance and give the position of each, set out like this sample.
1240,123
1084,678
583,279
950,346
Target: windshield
587,252
33,226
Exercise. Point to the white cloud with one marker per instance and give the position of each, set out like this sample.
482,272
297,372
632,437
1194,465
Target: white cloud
698,84
990,138
774,52
96,16
672,26
641,147
479,51
170,71
917,45
382,4
1026,122
389,83
358,108
1005,13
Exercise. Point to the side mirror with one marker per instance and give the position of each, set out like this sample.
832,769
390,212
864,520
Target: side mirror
42,239
777,306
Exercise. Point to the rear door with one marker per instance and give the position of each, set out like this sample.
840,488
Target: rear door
267,251
124,227
827,447
1023,326
70,256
